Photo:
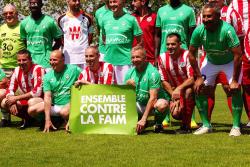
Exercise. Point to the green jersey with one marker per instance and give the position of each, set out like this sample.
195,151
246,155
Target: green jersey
59,84
175,20
216,44
99,16
145,81
119,33
10,44
2,75
39,35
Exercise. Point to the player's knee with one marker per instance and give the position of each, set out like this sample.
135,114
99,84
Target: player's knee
189,93
161,105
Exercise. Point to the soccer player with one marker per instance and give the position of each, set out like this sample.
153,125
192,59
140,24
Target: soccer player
96,72
242,7
10,41
56,87
27,78
119,30
232,17
147,82
99,17
77,27
39,31
174,17
177,80
146,19
222,47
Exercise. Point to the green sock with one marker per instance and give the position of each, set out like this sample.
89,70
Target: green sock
167,117
237,105
159,116
202,105
5,114
193,116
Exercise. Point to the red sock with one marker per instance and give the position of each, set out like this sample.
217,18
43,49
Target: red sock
188,111
210,101
229,103
246,99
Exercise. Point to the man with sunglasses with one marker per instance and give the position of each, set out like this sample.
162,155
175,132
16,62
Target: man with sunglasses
10,42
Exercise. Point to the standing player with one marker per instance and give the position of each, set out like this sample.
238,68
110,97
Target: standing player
147,82
222,47
242,7
10,42
232,17
27,78
146,19
96,72
175,17
99,17
119,30
78,31
39,31
177,80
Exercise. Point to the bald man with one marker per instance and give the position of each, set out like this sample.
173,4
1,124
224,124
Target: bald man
10,42
56,87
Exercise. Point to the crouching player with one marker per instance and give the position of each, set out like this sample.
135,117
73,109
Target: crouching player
56,86
177,79
96,72
147,81
27,79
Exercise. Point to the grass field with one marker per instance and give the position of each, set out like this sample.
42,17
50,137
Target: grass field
34,148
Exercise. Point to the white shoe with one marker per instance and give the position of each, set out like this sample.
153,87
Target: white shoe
235,132
202,130
248,125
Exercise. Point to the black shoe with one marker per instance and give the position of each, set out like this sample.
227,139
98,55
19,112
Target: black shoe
158,128
4,123
183,130
24,125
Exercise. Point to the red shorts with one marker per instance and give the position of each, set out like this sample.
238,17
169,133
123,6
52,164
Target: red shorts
246,71
221,78
23,102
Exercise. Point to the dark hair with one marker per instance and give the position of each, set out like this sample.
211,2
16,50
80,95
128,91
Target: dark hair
24,51
213,6
174,34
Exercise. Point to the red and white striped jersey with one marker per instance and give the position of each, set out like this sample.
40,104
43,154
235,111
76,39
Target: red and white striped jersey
104,75
175,72
27,82
247,45
230,16
242,7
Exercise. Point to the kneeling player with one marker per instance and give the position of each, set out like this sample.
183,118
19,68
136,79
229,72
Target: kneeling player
177,80
146,79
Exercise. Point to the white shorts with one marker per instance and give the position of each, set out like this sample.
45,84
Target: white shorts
120,72
55,110
209,71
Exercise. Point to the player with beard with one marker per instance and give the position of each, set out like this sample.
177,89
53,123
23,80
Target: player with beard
77,27
223,54
39,31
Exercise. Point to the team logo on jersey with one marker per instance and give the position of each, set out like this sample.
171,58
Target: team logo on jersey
149,19
182,64
67,76
52,80
181,14
123,23
101,74
74,32
223,14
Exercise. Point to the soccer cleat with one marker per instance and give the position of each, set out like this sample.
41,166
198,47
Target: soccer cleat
165,124
183,130
158,128
248,125
202,130
235,132
4,123
194,125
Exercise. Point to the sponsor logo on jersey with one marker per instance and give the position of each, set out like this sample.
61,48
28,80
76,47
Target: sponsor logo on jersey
149,19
